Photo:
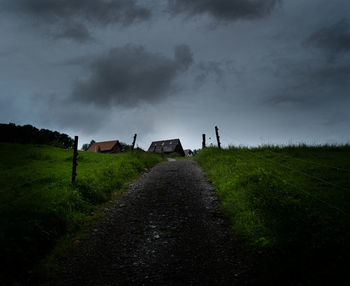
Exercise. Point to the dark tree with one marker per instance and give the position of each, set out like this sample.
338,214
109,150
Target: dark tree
125,147
29,134
86,146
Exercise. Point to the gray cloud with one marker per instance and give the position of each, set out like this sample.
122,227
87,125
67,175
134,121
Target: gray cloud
183,56
226,10
97,11
310,83
76,32
130,74
206,69
283,76
75,15
335,39
322,75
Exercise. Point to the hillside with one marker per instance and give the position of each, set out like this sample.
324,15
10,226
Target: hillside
38,204
289,206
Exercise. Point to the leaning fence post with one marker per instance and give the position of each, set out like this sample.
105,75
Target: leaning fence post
217,136
133,143
203,141
75,155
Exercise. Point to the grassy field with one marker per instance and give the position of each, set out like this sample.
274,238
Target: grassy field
38,204
290,208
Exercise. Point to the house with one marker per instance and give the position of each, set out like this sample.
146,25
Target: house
106,147
167,147
188,153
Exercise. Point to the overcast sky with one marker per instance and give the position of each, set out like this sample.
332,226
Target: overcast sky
263,71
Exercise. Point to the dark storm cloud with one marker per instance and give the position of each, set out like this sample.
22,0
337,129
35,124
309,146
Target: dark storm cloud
226,10
76,32
75,15
183,56
130,74
310,83
322,76
335,39
98,11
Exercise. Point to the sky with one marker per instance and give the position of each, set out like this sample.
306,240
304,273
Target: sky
263,71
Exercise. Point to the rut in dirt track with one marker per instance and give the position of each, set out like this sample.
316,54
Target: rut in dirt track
165,230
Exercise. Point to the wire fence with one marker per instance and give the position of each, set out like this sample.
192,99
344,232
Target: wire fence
330,205
310,162
32,194
266,160
326,203
301,172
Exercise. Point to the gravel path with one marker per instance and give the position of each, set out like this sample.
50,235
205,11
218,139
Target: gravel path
165,230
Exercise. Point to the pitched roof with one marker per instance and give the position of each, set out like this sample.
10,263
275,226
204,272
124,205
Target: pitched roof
188,152
104,146
166,145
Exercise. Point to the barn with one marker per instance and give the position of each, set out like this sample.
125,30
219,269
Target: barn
167,147
106,147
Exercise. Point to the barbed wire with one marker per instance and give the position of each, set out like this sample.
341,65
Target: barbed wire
310,162
315,197
330,205
32,194
301,172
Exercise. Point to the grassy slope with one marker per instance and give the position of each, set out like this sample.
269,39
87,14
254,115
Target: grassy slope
293,226
38,204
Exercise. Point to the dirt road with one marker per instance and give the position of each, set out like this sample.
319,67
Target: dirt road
166,230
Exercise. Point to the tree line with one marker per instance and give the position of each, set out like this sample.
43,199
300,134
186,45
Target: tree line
29,134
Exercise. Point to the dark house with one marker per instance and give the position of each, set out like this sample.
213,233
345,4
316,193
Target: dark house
188,153
167,147
106,147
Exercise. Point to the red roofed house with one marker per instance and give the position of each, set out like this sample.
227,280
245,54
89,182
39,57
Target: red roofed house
106,147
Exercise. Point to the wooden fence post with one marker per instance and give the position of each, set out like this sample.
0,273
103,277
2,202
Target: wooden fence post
217,136
75,155
133,143
203,141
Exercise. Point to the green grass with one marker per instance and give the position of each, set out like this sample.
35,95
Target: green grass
290,208
38,204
